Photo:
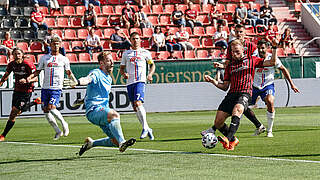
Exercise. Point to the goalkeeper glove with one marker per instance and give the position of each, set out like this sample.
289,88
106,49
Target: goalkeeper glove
71,82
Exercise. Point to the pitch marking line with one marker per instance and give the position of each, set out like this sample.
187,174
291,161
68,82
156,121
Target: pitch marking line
178,152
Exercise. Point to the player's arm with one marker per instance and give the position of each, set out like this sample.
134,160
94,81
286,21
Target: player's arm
34,76
151,70
221,65
286,74
123,72
73,81
274,56
4,77
223,86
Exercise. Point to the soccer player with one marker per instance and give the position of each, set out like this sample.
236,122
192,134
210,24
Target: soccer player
54,65
239,77
263,86
98,84
133,68
22,88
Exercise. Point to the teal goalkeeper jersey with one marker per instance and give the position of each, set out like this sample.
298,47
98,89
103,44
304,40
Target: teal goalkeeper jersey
98,90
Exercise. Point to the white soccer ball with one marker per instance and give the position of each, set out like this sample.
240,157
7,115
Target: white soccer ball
209,140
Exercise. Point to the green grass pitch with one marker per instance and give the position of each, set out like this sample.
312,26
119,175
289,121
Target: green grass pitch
294,153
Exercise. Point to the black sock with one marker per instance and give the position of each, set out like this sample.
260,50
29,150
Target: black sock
27,106
234,125
224,129
9,125
214,128
252,117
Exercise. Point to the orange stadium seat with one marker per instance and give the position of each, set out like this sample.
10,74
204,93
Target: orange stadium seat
70,34
207,42
202,54
107,10
154,20
210,30
157,9
3,59
84,57
51,22
24,46
63,22
195,42
57,32
108,32
66,46
165,20
69,11
36,46
189,54
80,10
76,22
72,57
102,22
82,33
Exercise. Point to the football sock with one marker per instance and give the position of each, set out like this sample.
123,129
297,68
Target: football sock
270,117
52,122
234,125
27,106
142,116
9,125
58,115
252,117
116,130
224,129
103,142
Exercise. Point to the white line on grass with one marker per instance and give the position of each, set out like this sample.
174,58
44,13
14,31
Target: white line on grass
178,152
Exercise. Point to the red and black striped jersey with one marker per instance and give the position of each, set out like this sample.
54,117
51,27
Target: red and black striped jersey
241,73
248,46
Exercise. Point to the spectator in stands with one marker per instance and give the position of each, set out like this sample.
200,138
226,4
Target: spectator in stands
54,6
204,2
220,38
47,41
178,16
253,15
183,37
286,39
171,42
216,16
119,40
267,15
37,20
241,13
191,16
87,2
5,4
41,2
232,35
7,44
90,17
142,19
129,16
92,42
271,33
158,40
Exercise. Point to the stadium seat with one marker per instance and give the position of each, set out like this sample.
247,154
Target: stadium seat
70,34
63,22
157,9
261,30
154,20
280,52
216,53
22,23
66,46
84,57
77,44
202,54
206,8
146,9
30,58
118,9
228,17
36,46
188,29
56,13
207,42
257,6
169,8
231,8
249,31
3,11
8,23
138,30
115,56
182,7
24,46
27,11
204,19
95,57
51,22
125,31
63,2
177,54
57,32
105,45
107,10
82,33
3,60
115,21
145,43
80,10
290,51
199,31
29,35
75,2
163,55
189,55
102,22
147,32
72,57
16,35
99,33
196,7
98,10
195,42
44,10
16,11
42,34
165,20
69,11
173,30
115,2
108,32
76,22
210,30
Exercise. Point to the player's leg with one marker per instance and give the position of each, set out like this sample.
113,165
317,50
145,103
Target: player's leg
268,98
10,123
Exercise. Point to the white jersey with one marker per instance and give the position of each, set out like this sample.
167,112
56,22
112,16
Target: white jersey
54,67
265,76
136,64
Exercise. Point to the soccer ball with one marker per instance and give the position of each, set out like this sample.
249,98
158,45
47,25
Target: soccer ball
209,140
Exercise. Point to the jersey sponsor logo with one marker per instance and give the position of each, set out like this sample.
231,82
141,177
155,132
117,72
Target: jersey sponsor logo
239,69
135,59
260,70
20,73
52,64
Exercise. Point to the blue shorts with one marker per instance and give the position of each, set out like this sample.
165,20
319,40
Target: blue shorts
262,92
136,91
99,117
50,96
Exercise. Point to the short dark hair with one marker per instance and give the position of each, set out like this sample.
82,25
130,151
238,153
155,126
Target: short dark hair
239,26
263,41
133,34
103,55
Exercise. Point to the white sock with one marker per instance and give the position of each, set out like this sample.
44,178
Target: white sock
270,117
142,116
52,121
58,115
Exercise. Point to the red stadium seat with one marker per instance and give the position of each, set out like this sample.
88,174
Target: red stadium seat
165,20
163,55
75,2
72,57
280,52
207,42
70,34
80,10
51,22
105,45
154,20
99,33
173,30
199,31
257,6
290,51
204,19
182,7
66,46
231,8
44,10
138,30
210,30
206,8
177,54
102,22
95,57
196,7
82,33
57,32
189,55
77,44
3,60
84,57
169,8
115,2
228,17
114,21
76,22
146,9
24,46
195,42
63,22
145,43
188,29
118,9
202,54
108,32
157,9
31,58
147,32
98,10
69,11
221,8
63,2
36,46
250,31
115,57
125,31
107,10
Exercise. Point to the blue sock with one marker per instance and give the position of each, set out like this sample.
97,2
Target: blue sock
116,130
103,142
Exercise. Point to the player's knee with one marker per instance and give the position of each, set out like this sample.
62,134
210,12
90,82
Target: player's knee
137,103
113,115
114,141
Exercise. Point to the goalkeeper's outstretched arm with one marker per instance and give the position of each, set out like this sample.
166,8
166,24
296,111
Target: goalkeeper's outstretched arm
73,81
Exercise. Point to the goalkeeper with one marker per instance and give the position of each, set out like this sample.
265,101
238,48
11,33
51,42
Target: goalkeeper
98,84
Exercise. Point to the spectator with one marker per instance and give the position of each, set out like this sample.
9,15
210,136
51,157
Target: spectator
171,42
54,6
92,42
240,14
271,33
253,15
119,40
216,16
220,38
158,40
5,4
191,16
90,17
41,2
94,2
47,41
266,14
142,19
183,37
204,2
178,16
37,20
232,35
129,16
286,39
7,44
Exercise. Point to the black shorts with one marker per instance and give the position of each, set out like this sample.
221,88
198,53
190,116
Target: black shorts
232,99
20,99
